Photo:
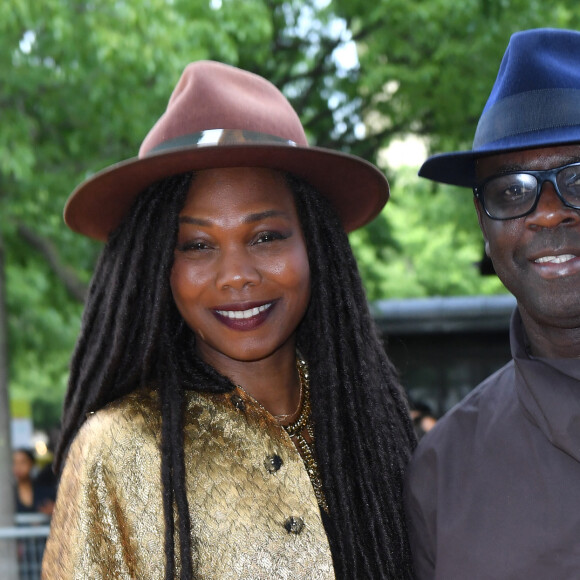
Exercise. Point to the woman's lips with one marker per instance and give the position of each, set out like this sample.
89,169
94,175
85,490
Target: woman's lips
244,317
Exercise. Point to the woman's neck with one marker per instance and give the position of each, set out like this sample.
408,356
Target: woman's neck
25,492
273,381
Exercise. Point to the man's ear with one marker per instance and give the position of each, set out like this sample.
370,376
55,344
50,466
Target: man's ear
481,218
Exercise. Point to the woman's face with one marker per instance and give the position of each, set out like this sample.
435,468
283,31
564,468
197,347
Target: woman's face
21,465
241,278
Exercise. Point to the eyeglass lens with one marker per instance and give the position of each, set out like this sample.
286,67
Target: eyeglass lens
514,194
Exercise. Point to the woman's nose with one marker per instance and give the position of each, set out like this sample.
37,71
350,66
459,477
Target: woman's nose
236,269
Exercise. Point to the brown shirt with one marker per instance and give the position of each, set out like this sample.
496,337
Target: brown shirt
493,491
253,509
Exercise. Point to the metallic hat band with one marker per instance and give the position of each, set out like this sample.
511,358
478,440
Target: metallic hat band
526,112
220,137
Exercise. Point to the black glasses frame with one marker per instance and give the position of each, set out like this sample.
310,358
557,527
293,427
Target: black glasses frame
541,175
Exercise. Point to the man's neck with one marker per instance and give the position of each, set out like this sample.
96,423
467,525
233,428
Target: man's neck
551,340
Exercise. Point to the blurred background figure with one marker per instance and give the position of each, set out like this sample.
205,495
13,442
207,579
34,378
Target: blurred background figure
45,476
31,496
423,418
34,504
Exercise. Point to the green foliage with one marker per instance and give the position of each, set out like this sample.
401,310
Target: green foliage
80,85
439,57
43,324
423,244
82,82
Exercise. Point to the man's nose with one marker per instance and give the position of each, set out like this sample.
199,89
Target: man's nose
550,211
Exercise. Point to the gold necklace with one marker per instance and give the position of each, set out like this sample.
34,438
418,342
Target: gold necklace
280,418
296,430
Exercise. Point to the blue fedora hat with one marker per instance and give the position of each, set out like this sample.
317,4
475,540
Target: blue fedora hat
535,102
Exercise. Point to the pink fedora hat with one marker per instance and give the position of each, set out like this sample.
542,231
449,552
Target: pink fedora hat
222,116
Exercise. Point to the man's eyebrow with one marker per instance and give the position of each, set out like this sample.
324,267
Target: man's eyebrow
572,159
508,168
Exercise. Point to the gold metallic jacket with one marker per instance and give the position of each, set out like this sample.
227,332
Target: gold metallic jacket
253,510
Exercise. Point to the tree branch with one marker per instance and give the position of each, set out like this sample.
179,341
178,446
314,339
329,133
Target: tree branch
76,288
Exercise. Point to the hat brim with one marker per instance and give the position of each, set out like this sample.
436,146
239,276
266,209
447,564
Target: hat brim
357,189
459,167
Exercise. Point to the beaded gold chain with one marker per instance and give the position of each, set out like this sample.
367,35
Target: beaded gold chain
296,430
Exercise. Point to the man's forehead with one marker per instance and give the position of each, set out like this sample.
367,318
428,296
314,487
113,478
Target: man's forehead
527,159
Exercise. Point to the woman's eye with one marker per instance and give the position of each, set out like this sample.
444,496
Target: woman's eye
195,246
269,237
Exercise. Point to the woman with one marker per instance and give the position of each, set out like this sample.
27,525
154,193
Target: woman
31,497
231,412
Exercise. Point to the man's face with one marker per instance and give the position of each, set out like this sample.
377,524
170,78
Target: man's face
537,256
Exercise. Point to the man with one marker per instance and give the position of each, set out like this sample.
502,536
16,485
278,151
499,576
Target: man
493,491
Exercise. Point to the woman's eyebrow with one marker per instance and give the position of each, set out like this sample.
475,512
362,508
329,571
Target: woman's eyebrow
250,218
256,217
185,219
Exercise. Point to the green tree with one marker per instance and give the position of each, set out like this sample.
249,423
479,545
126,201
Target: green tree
82,82
426,68
78,82
422,244
80,85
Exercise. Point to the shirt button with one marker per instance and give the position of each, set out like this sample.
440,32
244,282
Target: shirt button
238,402
273,463
294,525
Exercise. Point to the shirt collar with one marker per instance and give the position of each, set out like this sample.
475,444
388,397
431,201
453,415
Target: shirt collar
549,391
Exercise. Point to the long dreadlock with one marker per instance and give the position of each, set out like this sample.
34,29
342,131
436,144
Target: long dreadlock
132,335
364,436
